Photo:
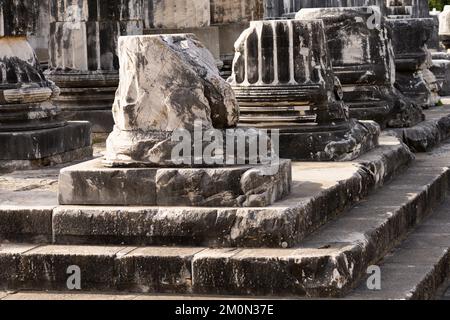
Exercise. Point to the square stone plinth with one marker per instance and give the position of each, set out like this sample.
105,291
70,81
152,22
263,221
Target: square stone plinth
91,183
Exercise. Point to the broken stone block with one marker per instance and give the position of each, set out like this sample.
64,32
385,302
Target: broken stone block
168,82
170,88
363,59
83,55
31,131
413,59
283,79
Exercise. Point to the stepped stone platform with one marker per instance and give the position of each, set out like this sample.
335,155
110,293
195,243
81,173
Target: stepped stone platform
418,266
329,262
319,192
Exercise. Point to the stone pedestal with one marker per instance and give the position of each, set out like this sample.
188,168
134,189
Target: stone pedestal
283,79
363,60
413,59
171,95
31,130
83,55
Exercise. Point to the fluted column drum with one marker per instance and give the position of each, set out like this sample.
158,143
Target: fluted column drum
282,73
284,80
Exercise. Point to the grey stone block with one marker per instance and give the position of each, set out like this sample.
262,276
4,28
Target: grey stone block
93,184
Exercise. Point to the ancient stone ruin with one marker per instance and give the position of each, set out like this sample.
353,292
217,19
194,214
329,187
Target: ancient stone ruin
31,130
240,148
363,60
83,55
283,79
170,86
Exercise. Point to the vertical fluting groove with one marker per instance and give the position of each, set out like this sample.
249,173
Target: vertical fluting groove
259,31
275,55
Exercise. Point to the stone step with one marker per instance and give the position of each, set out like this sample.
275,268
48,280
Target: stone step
328,263
320,192
418,266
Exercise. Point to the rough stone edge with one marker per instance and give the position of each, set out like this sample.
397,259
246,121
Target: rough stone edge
424,136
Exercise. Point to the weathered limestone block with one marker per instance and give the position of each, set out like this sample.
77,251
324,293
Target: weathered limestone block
168,82
413,59
91,183
363,60
170,88
83,55
30,126
283,79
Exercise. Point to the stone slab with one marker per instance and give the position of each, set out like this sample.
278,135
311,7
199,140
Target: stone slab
417,267
320,192
26,224
92,183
